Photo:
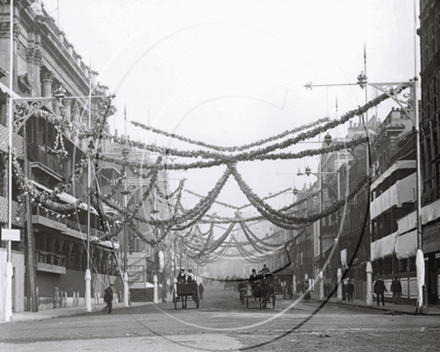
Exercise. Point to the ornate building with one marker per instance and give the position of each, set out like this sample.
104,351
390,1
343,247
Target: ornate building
51,258
429,33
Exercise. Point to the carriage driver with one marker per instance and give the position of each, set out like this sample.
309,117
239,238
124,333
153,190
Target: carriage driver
190,277
265,270
181,278
253,275
252,278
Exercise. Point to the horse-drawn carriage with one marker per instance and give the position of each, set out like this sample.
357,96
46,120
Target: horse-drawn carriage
262,289
184,290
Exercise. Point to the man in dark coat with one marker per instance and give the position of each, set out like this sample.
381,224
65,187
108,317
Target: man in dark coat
108,298
189,277
181,278
201,290
350,290
252,278
379,289
396,289
265,270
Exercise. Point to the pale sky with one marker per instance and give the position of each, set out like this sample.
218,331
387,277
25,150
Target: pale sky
230,72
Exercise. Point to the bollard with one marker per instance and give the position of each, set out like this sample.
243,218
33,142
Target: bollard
294,284
37,298
424,308
56,293
339,290
369,297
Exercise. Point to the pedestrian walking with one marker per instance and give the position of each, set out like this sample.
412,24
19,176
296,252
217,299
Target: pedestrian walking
379,289
108,298
350,290
344,291
306,291
284,288
290,289
201,290
396,289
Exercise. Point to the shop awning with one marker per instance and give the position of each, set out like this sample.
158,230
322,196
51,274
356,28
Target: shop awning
406,245
400,164
402,191
68,198
384,247
431,212
344,258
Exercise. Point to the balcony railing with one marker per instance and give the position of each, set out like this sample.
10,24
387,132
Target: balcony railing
83,228
50,262
61,219
50,214
52,162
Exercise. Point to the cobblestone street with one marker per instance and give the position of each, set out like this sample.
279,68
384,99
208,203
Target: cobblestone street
223,324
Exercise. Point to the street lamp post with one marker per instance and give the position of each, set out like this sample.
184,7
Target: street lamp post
125,153
9,270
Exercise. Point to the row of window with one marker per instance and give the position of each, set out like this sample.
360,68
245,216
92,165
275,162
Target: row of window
392,265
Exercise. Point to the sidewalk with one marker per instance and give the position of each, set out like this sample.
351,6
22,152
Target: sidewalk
389,307
65,312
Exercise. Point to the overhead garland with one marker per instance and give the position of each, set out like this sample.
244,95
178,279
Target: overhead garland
230,149
245,156
212,163
243,206
183,219
284,220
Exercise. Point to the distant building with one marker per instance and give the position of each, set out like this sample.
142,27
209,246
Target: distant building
347,223
393,197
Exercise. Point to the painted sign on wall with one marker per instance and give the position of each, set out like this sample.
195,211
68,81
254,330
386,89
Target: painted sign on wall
136,273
